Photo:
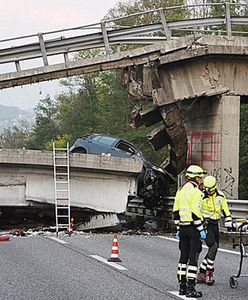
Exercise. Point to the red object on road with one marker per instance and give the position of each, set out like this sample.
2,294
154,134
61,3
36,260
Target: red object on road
71,226
72,223
4,238
114,252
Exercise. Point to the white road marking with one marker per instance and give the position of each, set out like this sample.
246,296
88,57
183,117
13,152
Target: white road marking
179,296
204,246
113,264
57,240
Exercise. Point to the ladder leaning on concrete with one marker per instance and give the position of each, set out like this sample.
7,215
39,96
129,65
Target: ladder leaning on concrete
62,187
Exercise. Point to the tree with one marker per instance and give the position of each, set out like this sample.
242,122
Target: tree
125,8
16,137
243,153
150,14
217,8
46,126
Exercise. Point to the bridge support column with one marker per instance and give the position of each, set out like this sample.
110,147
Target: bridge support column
213,139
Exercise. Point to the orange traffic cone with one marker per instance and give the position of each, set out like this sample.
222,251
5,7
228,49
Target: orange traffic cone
114,252
71,226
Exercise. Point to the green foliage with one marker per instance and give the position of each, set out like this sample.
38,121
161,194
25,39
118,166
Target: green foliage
98,103
60,142
243,153
218,9
15,138
138,137
124,8
46,126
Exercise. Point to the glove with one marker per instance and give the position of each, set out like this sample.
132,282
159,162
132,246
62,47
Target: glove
203,234
229,222
234,225
177,235
231,225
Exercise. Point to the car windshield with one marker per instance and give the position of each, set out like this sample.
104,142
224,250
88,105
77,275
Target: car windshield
96,138
107,140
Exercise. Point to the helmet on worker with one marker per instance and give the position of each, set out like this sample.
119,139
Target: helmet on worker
194,171
210,184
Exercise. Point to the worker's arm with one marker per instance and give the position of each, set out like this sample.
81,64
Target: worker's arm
176,216
229,223
196,205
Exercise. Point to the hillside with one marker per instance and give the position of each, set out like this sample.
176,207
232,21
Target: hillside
12,115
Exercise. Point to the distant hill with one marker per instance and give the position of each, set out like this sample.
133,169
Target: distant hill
12,115
11,112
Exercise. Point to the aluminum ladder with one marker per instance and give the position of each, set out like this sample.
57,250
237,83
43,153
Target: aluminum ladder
62,187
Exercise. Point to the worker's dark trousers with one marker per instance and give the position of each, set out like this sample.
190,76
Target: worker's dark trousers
190,246
212,241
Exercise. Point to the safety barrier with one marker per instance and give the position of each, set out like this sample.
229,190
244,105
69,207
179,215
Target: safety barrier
126,30
238,208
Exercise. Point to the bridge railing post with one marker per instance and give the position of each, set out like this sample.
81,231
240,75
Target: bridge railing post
43,49
105,37
164,23
228,19
66,56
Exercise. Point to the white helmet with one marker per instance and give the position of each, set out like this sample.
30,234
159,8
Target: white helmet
195,171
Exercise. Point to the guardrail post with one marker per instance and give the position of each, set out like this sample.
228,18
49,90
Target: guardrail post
164,23
66,56
18,67
43,49
228,19
105,37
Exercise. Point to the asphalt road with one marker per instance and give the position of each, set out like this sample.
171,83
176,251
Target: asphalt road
71,268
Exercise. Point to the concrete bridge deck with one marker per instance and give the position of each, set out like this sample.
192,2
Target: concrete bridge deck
101,183
184,48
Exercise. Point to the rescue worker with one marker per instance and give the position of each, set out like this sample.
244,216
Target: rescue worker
188,219
214,204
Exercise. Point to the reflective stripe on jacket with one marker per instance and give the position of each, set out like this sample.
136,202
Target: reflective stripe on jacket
213,207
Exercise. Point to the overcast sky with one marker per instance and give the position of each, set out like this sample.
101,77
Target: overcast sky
22,17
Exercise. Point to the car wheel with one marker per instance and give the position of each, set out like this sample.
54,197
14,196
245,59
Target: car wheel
79,150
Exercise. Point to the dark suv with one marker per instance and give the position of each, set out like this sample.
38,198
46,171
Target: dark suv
152,183
98,144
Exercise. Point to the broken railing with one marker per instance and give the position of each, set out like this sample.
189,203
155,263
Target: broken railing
159,26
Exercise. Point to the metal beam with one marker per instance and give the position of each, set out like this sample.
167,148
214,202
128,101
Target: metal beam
43,49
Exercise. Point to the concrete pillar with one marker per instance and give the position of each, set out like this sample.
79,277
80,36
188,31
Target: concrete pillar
213,139
230,145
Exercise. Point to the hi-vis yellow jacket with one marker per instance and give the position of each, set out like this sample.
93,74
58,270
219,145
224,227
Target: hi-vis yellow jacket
187,206
213,207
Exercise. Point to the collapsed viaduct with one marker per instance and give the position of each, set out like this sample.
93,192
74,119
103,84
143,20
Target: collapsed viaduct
194,83
27,181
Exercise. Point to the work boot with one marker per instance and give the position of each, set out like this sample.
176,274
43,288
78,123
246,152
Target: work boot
191,292
209,277
182,289
201,277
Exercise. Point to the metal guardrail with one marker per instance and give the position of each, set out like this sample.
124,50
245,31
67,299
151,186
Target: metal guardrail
238,208
122,31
